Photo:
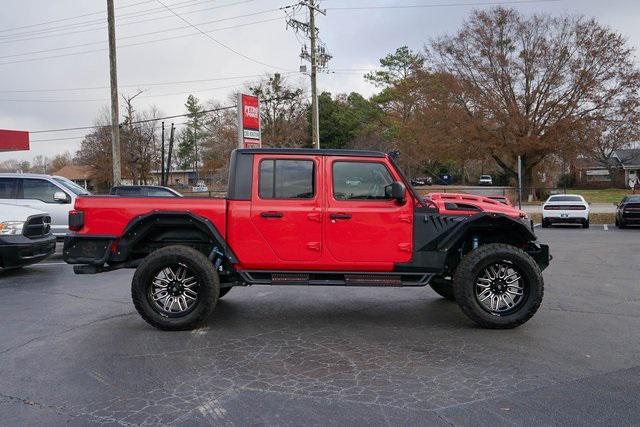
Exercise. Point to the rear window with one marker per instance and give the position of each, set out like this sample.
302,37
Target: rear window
286,179
565,199
127,191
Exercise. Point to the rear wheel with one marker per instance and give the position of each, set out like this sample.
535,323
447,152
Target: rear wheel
175,288
443,287
498,286
545,223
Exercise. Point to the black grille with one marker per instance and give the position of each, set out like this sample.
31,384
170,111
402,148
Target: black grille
37,226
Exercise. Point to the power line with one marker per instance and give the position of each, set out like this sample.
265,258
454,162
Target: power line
99,23
155,119
419,6
219,43
73,17
136,44
170,83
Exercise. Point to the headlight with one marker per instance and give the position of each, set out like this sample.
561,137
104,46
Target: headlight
11,227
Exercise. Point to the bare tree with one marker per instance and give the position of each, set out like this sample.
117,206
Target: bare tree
525,84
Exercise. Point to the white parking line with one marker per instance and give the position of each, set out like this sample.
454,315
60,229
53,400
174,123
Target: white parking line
606,227
536,225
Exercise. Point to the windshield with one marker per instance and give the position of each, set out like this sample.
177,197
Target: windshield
633,199
565,199
71,186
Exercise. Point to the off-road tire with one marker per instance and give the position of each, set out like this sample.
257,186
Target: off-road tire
203,271
466,274
443,287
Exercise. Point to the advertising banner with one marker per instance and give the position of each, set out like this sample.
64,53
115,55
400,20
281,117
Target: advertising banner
248,121
14,140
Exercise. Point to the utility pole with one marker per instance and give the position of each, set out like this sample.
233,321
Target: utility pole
317,56
168,173
195,146
315,112
519,182
115,115
162,181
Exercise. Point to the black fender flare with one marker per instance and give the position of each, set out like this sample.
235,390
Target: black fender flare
139,226
486,222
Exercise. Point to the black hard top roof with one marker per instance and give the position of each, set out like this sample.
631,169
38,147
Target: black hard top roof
311,152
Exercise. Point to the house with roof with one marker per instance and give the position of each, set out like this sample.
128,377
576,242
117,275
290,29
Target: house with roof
83,175
616,172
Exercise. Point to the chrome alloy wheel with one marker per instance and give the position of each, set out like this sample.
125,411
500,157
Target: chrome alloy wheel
174,290
501,288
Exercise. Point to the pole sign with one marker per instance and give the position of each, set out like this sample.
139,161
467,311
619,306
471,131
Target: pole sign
14,140
248,121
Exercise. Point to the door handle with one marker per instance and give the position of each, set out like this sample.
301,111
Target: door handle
271,214
340,216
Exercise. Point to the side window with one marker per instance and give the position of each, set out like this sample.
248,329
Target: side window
360,181
159,192
8,188
39,189
287,179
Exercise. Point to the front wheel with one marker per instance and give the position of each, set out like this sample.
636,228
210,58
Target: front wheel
175,288
498,286
585,223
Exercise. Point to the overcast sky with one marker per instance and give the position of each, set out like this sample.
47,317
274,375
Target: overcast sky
56,75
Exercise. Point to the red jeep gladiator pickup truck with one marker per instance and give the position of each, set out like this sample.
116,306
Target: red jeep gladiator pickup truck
307,217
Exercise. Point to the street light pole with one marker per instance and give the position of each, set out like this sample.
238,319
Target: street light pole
115,114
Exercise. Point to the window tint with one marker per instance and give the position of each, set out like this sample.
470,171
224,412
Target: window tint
632,199
565,199
159,192
360,181
286,179
7,188
128,191
71,186
39,189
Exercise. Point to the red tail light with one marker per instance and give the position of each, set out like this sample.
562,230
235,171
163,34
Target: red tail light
76,220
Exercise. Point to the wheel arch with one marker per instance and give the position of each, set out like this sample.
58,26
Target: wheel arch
147,233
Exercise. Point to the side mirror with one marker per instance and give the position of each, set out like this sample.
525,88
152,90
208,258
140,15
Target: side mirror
61,197
396,191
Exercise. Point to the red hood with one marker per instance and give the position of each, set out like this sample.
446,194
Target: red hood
469,204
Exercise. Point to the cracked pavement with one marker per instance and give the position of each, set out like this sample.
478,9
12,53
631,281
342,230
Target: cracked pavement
73,351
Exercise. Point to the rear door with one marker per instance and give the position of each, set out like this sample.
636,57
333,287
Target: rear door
364,225
38,194
286,207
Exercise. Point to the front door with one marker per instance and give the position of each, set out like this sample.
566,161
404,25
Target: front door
363,224
286,207
39,194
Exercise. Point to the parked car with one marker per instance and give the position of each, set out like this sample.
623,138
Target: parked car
485,180
52,194
200,187
566,209
502,199
143,191
628,211
308,217
417,182
25,236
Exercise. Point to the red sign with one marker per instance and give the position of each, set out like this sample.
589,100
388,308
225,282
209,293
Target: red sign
14,140
250,112
248,121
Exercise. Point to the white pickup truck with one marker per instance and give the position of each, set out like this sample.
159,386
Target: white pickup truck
25,236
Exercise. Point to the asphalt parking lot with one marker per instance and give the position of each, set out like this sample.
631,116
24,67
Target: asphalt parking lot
73,350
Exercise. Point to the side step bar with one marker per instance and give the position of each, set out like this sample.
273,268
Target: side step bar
335,278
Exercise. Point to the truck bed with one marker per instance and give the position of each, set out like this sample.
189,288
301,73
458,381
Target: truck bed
110,215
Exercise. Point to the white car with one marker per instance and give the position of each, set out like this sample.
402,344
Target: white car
567,209
25,236
53,194
485,180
